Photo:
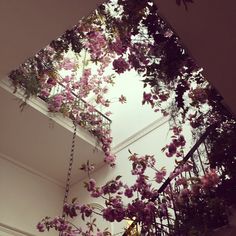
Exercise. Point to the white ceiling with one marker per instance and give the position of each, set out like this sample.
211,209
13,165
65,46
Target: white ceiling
207,29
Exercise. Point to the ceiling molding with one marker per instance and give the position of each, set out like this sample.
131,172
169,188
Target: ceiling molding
140,134
31,170
8,230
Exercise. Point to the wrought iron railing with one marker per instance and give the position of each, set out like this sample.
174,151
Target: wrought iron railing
168,224
83,103
26,77
89,124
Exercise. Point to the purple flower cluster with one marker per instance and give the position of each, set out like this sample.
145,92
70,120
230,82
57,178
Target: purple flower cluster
120,65
56,102
59,224
118,46
160,175
177,144
144,203
96,44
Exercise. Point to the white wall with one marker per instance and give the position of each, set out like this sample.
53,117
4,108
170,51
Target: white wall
25,199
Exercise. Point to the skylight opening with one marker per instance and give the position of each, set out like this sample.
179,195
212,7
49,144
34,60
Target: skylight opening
76,73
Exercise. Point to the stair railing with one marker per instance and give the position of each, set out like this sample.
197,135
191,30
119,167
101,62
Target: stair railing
198,157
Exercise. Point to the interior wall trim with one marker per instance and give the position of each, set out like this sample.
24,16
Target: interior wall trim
31,170
7,230
140,134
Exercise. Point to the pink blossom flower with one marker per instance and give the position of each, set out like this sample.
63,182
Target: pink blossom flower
91,185
49,49
177,130
108,79
147,98
182,140
44,93
91,108
198,95
96,44
118,47
86,210
172,148
105,61
163,96
87,73
96,193
122,99
181,181
75,85
210,179
104,90
67,79
160,175
109,214
110,159
68,64
69,96
41,227
56,103
168,33
120,65
128,192
70,209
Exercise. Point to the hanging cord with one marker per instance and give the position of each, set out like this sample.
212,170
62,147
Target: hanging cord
68,179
